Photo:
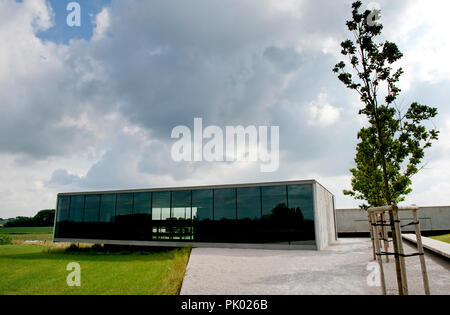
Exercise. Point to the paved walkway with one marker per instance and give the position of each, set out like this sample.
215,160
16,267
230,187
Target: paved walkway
340,269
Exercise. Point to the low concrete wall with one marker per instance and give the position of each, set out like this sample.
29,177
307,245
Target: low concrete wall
436,218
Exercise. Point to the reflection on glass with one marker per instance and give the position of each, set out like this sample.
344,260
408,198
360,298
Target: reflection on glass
107,208
272,196
91,208
202,214
142,203
76,208
124,204
181,204
62,220
259,214
63,208
161,209
202,204
181,226
225,204
156,214
249,203
161,200
301,197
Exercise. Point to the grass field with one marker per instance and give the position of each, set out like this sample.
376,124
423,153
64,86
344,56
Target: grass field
26,230
41,269
28,233
443,238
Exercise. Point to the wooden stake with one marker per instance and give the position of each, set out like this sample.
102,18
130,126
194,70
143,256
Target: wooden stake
400,251
379,258
385,236
396,258
371,236
421,252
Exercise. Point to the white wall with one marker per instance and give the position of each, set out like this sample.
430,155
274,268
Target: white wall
324,216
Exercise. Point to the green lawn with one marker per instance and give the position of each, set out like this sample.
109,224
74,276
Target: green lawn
443,238
28,233
26,230
41,269
35,269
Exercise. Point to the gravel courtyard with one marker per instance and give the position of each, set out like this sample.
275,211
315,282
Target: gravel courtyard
343,268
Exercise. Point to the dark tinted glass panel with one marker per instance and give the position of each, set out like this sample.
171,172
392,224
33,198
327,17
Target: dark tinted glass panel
123,222
142,203
76,208
301,197
161,215
221,215
181,227
272,196
181,198
91,208
161,199
107,208
249,203
181,204
124,204
202,214
62,225
63,208
224,204
161,204
140,223
301,211
202,202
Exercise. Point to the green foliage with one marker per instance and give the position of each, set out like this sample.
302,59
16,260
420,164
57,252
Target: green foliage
20,221
5,240
391,148
42,218
45,217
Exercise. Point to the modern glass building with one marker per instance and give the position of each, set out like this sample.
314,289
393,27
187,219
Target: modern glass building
294,214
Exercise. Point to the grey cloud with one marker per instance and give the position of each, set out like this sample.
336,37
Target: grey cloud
165,62
287,60
62,177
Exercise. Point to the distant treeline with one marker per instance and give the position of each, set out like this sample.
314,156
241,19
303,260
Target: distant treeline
42,218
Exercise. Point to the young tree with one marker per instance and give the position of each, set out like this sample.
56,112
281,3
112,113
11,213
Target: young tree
391,147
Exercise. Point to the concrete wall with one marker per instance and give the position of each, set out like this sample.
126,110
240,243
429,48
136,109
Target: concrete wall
435,218
324,216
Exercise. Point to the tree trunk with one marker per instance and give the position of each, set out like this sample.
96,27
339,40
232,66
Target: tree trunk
389,202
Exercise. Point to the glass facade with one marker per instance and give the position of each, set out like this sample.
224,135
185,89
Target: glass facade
268,214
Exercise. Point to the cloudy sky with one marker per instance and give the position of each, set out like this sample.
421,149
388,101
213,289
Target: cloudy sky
93,107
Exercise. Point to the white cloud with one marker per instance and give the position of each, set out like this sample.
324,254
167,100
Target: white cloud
421,30
102,23
322,113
